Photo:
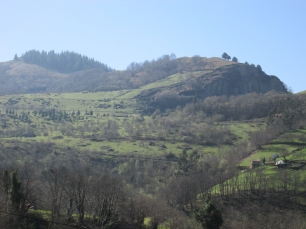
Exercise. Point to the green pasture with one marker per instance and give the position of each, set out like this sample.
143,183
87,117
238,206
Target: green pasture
118,147
99,102
273,175
48,130
267,152
285,145
170,80
242,130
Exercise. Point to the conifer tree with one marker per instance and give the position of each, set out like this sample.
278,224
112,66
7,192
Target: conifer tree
15,193
209,217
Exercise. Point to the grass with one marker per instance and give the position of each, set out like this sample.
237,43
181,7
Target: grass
284,145
170,80
87,101
50,131
70,102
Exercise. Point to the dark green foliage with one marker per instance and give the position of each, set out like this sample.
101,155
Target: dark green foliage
240,107
6,181
16,57
34,220
226,56
235,59
209,216
259,67
186,162
169,100
163,65
65,62
15,192
291,111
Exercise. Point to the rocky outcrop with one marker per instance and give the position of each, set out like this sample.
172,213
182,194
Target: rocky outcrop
233,80
230,80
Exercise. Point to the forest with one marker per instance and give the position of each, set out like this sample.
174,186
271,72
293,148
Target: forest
65,62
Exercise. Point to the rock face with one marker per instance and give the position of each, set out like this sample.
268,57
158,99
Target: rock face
233,80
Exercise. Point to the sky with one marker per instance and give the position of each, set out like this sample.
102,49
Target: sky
271,33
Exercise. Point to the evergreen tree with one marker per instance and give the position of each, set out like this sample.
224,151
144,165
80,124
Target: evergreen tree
226,56
235,59
6,182
65,62
209,216
259,67
15,193
186,162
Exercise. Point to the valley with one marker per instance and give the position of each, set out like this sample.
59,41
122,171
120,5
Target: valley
152,146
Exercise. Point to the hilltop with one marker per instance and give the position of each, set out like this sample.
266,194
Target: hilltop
226,79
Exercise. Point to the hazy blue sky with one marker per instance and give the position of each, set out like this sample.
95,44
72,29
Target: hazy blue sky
265,32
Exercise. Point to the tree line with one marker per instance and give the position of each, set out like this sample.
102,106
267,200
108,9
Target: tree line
65,62
84,198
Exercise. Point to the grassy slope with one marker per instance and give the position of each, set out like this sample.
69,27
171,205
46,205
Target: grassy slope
170,80
69,102
89,101
286,144
92,101
212,64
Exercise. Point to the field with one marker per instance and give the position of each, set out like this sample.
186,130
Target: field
289,147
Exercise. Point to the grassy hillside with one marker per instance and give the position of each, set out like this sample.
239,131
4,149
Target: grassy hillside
288,145
173,159
105,107
287,179
180,75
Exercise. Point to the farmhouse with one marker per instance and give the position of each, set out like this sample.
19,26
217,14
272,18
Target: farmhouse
254,164
281,164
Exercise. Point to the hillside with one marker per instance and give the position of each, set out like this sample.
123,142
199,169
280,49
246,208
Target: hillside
185,78
20,77
228,80
161,167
